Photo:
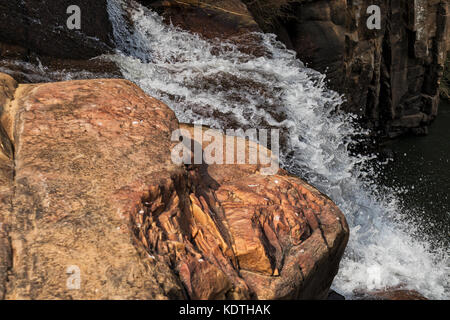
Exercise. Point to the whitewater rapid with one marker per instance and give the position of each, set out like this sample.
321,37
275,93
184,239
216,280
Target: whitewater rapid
215,84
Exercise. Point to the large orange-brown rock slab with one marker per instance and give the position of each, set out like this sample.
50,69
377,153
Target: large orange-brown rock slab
287,235
78,145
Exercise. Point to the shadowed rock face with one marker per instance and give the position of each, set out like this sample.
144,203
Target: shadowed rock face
40,26
389,76
88,181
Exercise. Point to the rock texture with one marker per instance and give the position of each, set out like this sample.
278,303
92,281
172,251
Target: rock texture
74,151
40,26
88,183
445,83
390,76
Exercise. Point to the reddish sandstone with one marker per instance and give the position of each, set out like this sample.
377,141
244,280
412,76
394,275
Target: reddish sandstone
94,187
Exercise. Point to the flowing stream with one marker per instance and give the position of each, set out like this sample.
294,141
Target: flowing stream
215,84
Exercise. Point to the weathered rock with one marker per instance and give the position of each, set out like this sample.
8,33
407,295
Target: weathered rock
77,146
399,295
37,46
7,89
95,188
445,82
285,235
29,68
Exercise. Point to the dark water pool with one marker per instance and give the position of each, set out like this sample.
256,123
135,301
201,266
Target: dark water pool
421,166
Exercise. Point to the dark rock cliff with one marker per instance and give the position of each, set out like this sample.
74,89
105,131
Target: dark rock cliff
390,76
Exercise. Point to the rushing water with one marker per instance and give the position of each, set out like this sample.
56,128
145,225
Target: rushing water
217,85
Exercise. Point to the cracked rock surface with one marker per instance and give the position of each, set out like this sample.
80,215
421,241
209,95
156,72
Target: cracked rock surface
87,183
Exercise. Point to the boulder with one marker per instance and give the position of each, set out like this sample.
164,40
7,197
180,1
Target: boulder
92,207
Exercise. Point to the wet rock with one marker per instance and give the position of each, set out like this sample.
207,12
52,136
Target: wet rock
30,68
75,147
212,19
96,192
36,45
225,20
391,294
40,26
399,295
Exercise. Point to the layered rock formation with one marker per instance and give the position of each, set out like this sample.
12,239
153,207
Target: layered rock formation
89,189
389,76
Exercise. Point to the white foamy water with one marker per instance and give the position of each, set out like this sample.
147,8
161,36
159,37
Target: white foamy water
35,72
217,85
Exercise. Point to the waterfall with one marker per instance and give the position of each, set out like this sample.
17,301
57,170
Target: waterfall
215,84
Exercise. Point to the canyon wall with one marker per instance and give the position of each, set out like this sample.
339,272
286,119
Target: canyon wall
389,76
